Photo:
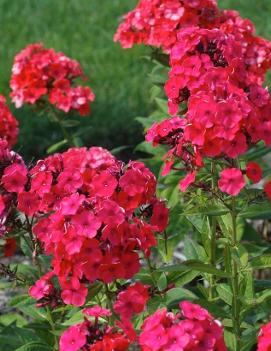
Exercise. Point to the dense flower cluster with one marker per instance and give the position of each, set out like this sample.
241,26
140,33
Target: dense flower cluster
8,124
94,217
39,74
264,340
217,70
156,22
193,329
94,336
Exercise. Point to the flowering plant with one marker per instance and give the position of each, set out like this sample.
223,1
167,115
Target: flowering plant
116,258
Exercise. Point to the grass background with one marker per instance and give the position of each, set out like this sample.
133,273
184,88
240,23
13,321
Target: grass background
83,29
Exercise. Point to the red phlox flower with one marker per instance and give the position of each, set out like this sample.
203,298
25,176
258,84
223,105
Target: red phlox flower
231,181
254,172
131,301
15,177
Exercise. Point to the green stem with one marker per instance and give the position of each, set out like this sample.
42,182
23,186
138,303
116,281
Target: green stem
151,270
52,325
235,284
213,223
109,303
66,134
212,280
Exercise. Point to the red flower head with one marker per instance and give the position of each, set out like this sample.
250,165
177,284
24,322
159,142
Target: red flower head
193,329
94,223
38,73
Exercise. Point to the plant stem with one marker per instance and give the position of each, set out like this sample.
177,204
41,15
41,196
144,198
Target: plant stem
109,303
213,223
52,325
212,280
235,284
68,137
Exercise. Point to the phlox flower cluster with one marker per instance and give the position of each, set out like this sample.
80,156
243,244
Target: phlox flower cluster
94,216
215,91
192,329
94,335
156,22
40,75
264,340
9,126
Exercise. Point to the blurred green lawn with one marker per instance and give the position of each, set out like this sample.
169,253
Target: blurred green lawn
83,29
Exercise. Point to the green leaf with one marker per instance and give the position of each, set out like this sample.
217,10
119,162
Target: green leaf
119,149
176,295
77,317
56,146
34,346
261,262
230,340
162,105
173,268
225,293
194,251
208,211
162,282
206,268
22,300
248,341
182,278
256,153
257,211
9,318
70,123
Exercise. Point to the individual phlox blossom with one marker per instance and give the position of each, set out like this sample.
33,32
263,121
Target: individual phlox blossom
73,339
38,73
42,287
94,336
94,215
15,177
231,181
254,172
193,329
264,339
9,126
131,301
